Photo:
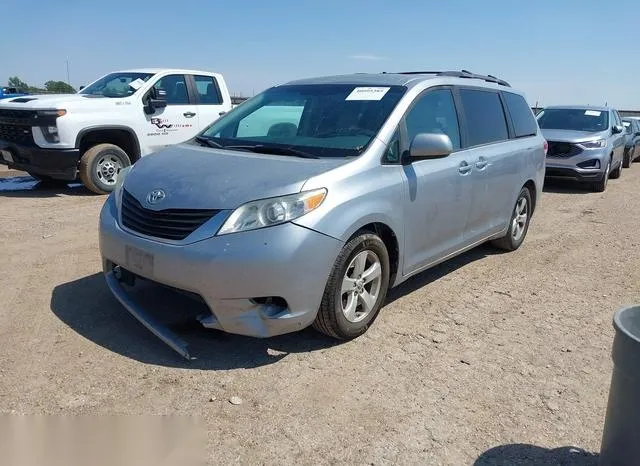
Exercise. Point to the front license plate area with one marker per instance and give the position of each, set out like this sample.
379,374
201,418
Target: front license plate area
139,262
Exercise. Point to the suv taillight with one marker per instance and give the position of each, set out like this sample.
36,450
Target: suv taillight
546,147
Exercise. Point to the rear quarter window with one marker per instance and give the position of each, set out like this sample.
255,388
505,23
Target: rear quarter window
485,119
524,124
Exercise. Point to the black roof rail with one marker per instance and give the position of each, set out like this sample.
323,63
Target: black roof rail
462,74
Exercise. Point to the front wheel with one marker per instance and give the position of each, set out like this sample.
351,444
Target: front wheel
519,223
615,174
626,161
100,167
356,288
601,185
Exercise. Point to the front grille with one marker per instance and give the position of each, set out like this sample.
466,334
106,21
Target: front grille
18,134
15,126
175,224
562,149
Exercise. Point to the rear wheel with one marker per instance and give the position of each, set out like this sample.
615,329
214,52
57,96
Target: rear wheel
601,185
100,167
356,288
518,224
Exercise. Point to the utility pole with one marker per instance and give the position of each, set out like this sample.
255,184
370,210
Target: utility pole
68,80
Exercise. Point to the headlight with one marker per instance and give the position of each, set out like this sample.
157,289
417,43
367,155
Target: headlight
274,211
50,133
52,113
594,144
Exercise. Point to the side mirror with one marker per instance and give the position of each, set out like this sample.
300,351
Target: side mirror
430,146
617,129
157,99
81,87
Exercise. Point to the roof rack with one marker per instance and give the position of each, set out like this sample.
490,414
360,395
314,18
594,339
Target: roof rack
462,74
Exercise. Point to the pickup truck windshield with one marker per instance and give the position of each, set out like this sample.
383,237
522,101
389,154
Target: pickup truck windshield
574,119
319,120
116,85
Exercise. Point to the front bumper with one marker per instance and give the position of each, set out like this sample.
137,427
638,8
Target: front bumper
60,164
573,174
287,261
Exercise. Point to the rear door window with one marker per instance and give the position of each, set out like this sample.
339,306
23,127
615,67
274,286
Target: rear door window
524,124
208,90
485,118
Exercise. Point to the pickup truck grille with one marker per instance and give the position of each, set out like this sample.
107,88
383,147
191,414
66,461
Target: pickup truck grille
175,224
15,126
18,134
562,149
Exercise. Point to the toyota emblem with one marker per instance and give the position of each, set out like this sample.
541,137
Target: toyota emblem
155,196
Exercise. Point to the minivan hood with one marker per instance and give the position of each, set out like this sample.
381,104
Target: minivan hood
565,135
45,101
194,177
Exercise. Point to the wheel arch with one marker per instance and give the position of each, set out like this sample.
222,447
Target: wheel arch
120,135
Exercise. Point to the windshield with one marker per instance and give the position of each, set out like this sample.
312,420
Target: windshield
322,120
574,119
117,85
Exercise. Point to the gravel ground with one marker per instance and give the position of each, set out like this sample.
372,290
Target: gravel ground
487,359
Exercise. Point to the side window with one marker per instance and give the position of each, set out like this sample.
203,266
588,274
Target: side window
176,87
485,117
434,112
208,90
392,155
523,121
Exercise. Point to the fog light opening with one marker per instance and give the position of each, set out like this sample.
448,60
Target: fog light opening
594,163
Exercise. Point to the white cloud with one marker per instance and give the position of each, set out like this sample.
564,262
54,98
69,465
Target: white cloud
366,57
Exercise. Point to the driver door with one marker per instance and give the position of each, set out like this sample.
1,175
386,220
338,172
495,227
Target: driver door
438,193
178,121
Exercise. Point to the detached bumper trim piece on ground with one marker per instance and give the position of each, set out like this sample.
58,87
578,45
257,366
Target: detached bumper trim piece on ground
159,330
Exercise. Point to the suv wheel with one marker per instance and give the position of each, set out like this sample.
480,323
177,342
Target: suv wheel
615,174
626,161
356,288
601,185
518,224
100,166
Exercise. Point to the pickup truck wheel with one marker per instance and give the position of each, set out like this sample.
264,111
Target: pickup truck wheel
356,289
518,224
100,166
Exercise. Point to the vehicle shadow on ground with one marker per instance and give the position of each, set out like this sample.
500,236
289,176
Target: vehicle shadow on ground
439,271
566,187
88,307
532,455
26,186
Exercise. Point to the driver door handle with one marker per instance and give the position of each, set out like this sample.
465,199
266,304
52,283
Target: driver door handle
482,163
464,168
189,114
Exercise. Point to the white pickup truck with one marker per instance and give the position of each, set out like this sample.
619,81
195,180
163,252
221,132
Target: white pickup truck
109,124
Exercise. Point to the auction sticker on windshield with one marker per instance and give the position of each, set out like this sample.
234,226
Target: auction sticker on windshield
593,113
367,93
137,84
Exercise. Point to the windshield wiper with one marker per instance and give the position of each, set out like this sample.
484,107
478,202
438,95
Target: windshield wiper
262,149
204,141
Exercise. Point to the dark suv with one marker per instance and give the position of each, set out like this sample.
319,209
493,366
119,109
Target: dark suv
632,131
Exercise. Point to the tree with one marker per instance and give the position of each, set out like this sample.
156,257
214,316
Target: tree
59,87
15,81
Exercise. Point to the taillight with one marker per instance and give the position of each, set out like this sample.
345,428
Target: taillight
546,147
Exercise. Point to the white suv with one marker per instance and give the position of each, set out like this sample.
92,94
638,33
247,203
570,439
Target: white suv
109,124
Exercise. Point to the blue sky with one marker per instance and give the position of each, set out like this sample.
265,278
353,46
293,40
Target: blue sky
557,51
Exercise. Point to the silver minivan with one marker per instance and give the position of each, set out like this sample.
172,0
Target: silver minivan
306,203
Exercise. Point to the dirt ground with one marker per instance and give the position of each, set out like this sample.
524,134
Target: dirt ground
487,359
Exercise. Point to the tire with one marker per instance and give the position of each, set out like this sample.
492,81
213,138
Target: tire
626,161
100,165
47,181
601,185
332,320
518,225
615,174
